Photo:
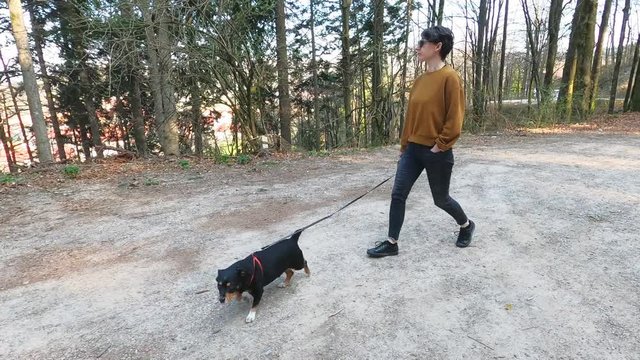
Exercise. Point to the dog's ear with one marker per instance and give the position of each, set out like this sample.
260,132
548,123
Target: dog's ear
242,272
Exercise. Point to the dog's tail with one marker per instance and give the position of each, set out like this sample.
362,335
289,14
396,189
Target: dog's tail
296,235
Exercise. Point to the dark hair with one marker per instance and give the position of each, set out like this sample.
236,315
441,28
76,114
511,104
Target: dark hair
440,34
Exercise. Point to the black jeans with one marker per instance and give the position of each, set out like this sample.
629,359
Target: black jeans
414,159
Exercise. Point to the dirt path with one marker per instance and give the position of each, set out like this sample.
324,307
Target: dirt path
112,269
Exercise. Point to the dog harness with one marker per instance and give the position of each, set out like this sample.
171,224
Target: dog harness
255,261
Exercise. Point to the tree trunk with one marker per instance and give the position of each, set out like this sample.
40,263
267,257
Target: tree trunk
9,138
403,80
346,72
612,38
90,107
38,37
73,23
634,69
154,71
555,17
283,77
490,44
16,108
478,91
376,78
30,84
133,86
584,50
634,101
159,52
165,47
616,68
595,69
440,12
565,95
503,52
314,72
7,149
533,46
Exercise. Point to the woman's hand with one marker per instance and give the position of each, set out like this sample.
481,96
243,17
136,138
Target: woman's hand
435,149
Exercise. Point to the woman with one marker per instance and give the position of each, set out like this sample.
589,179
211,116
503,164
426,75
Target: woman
433,124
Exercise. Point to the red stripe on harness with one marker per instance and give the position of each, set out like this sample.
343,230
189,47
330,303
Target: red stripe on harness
255,260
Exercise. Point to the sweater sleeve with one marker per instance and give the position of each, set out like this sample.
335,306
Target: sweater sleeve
454,113
404,137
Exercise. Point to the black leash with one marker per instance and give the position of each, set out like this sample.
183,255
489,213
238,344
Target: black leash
333,213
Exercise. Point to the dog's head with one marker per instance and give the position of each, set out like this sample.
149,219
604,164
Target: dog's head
231,283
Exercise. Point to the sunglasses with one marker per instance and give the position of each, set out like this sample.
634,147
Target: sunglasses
423,41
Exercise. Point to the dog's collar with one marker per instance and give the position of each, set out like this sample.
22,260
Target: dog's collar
255,261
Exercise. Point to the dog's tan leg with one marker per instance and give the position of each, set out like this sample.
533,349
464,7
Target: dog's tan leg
287,279
306,269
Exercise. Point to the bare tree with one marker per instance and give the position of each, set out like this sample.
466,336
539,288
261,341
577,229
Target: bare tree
376,79
597,63
478,61
634,69
5,144
283,76
616,68
533,31
503,51
37,22
403,80
346,70
156,20
29,77
555,16
16,108
314,72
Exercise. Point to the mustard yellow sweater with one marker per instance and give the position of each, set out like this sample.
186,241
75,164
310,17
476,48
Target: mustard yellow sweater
436,110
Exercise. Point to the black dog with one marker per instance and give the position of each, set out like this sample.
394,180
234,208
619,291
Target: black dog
259,269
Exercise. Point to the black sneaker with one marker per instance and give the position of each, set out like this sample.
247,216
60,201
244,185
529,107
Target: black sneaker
465,235
382,249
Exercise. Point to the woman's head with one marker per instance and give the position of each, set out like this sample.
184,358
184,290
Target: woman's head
435,41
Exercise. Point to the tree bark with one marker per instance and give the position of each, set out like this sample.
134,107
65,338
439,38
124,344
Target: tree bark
283,77
30,84
584,49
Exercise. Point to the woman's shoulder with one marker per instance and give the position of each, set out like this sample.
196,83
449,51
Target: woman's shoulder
451,74
450,71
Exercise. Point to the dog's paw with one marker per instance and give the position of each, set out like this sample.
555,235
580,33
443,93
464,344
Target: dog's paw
283,285
251,317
